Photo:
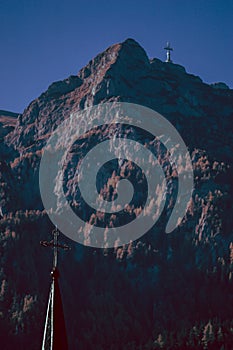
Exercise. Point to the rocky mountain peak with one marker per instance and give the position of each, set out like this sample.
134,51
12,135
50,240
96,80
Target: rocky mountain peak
120,63
132,51
138,279
122,54
122,72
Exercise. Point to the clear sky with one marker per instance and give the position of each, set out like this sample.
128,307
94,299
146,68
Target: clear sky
43,41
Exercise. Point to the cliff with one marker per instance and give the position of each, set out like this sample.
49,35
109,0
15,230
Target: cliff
150,293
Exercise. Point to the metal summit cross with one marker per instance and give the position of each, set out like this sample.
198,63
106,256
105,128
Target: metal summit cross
168,48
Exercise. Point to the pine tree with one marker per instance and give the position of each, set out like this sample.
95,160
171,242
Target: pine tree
159,342
208,335
231,262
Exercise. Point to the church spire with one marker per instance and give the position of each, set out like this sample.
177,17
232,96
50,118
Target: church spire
55,337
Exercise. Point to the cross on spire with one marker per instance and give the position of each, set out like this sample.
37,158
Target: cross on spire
55,245
55,337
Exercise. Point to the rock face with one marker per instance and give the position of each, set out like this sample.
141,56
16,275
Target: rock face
8,121
162,291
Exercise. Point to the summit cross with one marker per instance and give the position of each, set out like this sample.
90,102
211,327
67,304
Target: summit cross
168,48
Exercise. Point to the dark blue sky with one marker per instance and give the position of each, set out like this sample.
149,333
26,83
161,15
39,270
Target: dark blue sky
48,40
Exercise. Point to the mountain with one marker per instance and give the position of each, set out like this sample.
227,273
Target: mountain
162,291
8,121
